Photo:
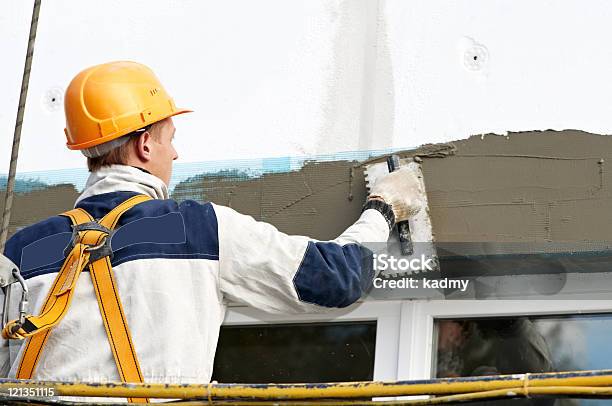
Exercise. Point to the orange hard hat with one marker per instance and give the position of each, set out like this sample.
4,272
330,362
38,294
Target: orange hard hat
107,101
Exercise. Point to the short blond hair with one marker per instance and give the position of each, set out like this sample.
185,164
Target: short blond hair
119,155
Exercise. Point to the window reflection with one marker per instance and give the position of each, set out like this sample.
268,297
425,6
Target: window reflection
288,353
492,346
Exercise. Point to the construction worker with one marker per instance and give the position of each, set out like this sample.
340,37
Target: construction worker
171,267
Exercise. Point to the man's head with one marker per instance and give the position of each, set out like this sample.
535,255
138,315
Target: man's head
119,113
149,148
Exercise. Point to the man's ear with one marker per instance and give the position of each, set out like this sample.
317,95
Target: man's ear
143,147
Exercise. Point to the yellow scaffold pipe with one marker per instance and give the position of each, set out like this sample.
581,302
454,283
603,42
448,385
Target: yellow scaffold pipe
522,384
553,391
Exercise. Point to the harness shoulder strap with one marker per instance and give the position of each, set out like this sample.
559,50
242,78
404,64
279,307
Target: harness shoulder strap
34,346
58,300
115,322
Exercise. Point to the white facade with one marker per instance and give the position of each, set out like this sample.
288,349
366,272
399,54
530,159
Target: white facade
282,78
276,78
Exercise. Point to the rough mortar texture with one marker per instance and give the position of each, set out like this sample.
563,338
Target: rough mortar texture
37,205
531,186
537,186
320,200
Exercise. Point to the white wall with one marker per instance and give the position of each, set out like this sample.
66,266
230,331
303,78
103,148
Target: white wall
14,29
284,78
549,67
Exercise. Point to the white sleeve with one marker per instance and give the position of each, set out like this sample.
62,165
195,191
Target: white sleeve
275,272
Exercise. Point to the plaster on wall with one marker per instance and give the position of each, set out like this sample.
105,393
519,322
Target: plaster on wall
526,187
529,187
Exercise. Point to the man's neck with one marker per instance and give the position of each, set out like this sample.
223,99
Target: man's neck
142,169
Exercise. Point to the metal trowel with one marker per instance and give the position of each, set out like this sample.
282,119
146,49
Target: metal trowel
413,239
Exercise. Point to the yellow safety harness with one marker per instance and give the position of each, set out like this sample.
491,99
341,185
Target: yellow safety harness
90,246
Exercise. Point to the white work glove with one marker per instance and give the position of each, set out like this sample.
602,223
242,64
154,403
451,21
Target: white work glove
402,190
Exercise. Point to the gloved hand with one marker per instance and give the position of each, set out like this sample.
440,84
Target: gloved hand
402,190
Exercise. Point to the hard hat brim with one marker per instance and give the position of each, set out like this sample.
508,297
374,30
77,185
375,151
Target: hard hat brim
95,142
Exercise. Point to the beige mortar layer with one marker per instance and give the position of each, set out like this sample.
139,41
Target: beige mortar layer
532,186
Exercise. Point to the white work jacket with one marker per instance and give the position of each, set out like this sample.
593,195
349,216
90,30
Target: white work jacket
177,265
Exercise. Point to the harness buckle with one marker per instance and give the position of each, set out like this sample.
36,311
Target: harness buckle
96,252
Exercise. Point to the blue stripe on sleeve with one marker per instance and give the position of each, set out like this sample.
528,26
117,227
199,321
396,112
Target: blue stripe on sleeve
334,275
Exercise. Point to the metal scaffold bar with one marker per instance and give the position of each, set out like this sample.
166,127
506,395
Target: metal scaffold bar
448,390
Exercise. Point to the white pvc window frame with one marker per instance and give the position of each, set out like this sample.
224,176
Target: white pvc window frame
418,317
405,329
387,315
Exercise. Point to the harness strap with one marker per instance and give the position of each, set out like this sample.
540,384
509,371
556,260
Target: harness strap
115,322
105,286
33,347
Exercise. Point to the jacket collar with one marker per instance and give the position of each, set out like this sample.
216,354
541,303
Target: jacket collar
123,178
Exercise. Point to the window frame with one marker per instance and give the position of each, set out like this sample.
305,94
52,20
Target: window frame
387,315
417,324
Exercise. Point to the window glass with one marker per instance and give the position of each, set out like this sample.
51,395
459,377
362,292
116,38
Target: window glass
288,353
490,346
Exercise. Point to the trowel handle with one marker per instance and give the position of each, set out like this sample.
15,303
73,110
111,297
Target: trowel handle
403,227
